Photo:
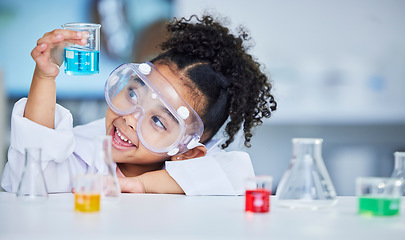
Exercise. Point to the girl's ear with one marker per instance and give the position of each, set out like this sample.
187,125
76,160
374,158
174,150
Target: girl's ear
196,152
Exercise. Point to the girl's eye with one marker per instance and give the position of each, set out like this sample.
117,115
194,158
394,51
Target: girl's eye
132,95
158,123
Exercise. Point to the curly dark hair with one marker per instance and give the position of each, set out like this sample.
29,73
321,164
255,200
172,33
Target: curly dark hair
226,81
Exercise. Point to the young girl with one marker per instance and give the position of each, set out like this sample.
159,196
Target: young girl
162,115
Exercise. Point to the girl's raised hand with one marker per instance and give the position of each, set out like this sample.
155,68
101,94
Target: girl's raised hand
48,54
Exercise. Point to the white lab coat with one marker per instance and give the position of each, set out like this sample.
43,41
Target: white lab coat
67,151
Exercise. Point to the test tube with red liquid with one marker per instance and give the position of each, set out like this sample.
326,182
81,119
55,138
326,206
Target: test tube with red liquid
258,191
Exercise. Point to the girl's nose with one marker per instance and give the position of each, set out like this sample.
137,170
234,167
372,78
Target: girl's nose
132,119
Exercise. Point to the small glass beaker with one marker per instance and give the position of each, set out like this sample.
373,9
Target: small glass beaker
378,196
258,191
306,183
32,184
83,60
399,168
87,192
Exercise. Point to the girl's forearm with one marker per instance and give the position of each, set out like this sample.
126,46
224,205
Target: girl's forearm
160,182
151,182
40,107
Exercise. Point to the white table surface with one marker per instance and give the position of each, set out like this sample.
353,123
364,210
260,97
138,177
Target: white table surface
152,216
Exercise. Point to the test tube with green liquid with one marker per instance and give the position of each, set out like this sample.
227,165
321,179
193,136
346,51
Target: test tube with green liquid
379,206
378,196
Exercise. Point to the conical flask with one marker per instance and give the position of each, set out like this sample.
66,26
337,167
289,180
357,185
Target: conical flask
111,190
306,183
399,168
32,184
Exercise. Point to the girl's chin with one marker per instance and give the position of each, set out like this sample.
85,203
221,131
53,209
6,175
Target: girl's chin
121,156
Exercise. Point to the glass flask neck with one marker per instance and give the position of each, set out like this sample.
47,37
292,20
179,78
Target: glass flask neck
110,187
307,147
399,168
399,160
103,149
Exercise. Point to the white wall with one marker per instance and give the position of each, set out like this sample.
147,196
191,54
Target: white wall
331,61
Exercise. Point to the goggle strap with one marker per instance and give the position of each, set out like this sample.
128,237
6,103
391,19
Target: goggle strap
173,152
194,143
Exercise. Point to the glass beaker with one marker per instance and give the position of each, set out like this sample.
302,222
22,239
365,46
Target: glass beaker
32,184
378,196
258,191
306,183
83,60
399,168
87,192
110,187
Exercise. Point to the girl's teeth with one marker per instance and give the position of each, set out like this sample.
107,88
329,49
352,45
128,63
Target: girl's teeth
122,137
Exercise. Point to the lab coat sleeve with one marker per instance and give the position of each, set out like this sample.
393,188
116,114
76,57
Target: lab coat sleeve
220,173
57,144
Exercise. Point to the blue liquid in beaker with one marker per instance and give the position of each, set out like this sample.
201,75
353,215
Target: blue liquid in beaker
81,62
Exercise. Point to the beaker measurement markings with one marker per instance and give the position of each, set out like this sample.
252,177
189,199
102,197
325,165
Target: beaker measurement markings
80,62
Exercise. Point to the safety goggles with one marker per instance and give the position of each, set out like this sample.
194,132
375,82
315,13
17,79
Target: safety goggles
166,123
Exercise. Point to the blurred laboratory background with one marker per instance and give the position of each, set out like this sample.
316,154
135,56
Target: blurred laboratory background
337,67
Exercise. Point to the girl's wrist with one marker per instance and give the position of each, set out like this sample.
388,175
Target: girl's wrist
132,184
43,76
141,186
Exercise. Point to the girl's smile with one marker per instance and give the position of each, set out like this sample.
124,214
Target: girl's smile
124,137
120,141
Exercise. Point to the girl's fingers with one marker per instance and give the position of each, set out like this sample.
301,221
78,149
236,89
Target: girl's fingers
47,54
41,55
79,42
38,50
59,35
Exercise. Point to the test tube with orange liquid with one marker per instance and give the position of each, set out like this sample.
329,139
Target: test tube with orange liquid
87,193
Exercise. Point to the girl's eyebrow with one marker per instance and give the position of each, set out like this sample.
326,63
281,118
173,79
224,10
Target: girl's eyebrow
138,80
164,109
